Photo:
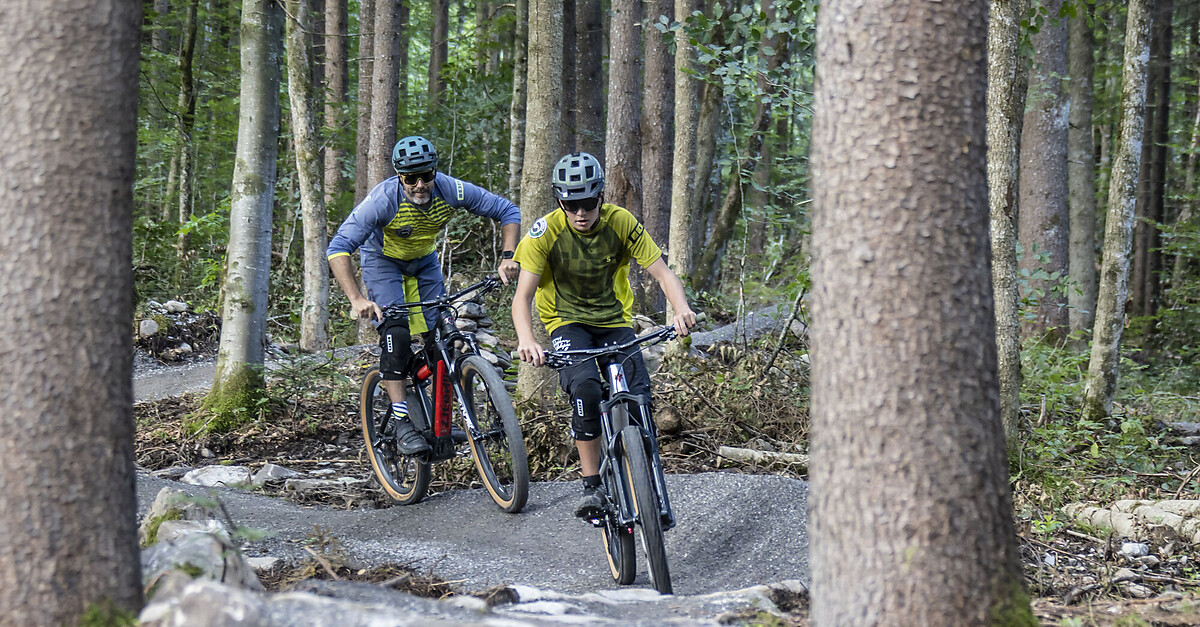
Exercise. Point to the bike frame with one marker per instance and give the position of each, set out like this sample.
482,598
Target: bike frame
445,372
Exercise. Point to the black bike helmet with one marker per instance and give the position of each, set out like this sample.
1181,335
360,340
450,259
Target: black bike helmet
414,154
577,175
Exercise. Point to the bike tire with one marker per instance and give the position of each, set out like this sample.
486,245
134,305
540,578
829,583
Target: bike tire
618,548
499,447
637,476
404,478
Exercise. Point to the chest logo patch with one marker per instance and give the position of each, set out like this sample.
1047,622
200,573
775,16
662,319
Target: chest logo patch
538,229
404,231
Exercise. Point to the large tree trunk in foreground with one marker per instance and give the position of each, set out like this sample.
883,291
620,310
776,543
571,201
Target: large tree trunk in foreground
1007,78
1043,220
543,124
68,133
911,509
239,378
314,310
1118,231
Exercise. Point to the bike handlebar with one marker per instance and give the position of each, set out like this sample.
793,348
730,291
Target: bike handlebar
397,309
561,359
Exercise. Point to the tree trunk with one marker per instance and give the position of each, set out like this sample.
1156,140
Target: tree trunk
314,311
658,132
384,95
439,35
187,124
1007,85
516,112
1159,154
366,76
68,506
708,125
337,80
1043,218
1118,231
589,59
570,79
708,267
239,382
759,194
403,39
683,165
543,124
1188,208
623,153
1081,175
911,508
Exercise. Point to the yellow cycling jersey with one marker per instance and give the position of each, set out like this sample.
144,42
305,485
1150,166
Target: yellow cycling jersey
585,276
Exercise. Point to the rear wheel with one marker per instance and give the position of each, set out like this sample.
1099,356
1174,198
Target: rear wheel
404,478
645,500
499,446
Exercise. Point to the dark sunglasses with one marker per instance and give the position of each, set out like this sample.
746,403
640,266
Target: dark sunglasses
411,179
582,205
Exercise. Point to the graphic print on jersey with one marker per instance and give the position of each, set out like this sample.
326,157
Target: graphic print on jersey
585,268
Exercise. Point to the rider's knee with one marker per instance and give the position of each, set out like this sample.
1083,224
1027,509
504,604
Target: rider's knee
395,342
585,410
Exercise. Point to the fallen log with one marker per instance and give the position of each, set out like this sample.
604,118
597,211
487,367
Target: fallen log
752,456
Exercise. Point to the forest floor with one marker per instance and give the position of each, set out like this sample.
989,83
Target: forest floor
1076,579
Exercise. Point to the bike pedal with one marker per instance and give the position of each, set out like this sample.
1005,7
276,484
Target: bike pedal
596,522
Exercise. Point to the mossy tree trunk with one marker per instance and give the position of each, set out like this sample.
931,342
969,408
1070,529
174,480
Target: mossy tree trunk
1118,230
68,136
239,383
1007,78
911,508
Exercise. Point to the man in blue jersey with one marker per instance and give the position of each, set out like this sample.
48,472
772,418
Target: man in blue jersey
395,230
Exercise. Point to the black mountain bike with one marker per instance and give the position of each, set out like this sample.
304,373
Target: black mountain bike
630,467
447,372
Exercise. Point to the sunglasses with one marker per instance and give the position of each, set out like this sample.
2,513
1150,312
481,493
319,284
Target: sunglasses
424,177
582,205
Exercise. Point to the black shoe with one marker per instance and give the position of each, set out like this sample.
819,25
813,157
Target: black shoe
591,504
460,436
408,441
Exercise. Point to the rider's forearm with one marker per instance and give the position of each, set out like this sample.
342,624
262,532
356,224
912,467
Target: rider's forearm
343,271
509,233
671,286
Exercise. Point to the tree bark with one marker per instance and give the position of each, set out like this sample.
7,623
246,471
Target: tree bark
1188,208
1158,147
439,36
68,507
658,132
366,76
384,94
911,508
1118,230
337,80
1081,175
623,153
187,124
314,310
239,379
683,164
1043,218
1007,85
570,79
542,150
516,112
589,59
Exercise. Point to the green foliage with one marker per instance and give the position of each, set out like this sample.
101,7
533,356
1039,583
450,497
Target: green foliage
107,614
155,522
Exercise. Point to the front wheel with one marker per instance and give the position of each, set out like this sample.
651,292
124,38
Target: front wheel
645,500
498,446
404,478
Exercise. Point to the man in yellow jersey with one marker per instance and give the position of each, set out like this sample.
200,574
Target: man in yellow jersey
395,231
575,264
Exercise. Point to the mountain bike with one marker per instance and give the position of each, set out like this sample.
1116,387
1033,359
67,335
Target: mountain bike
449,371
630,468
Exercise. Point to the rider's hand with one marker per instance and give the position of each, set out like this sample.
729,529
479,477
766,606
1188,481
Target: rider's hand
531,352
364,308
684,321
508,270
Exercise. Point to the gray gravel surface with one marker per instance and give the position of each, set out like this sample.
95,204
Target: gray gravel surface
733,531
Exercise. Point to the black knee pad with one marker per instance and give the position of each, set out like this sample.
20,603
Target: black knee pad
585,409
395,340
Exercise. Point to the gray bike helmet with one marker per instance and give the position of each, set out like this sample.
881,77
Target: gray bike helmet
577,175
414,154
